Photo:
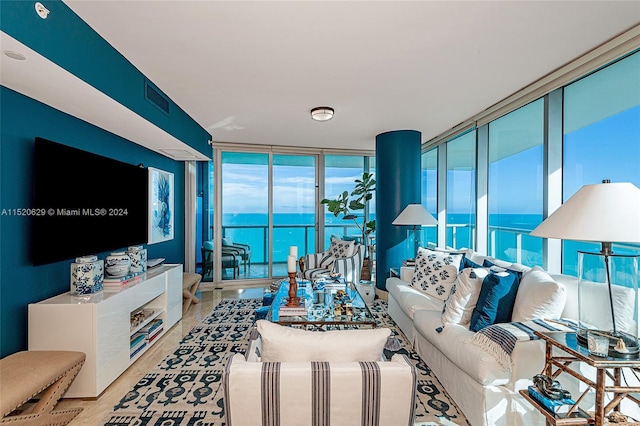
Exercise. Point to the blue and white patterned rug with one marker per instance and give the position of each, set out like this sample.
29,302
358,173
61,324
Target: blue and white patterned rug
185,387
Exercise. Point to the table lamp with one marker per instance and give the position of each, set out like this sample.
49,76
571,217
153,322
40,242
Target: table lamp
414,215
604,213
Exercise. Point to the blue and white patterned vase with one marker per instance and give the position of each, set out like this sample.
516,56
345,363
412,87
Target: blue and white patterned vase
117,264
87,275
138,256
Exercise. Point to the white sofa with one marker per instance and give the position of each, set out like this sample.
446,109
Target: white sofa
485,392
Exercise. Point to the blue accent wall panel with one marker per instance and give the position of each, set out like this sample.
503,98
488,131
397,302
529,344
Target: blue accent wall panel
398,184
21,283
68,41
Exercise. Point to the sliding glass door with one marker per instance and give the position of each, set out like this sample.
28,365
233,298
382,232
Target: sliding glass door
294,208
245,215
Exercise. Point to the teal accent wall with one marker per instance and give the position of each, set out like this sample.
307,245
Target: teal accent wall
21,283
398,184
67,40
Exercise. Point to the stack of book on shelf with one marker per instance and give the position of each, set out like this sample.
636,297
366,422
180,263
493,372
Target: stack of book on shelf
120,281
153,329
554,406
409,262
296,311
138,342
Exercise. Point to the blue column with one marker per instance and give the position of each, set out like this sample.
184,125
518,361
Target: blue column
397,185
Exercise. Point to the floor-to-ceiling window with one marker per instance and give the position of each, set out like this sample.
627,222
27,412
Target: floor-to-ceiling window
515,177
461,190
268,201
340,174
245,214
294,206
601,138
429,191
204,219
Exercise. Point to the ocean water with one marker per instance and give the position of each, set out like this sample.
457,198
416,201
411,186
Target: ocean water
299,229
504,232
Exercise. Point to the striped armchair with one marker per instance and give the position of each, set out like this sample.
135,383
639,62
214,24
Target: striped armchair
380,393
321,263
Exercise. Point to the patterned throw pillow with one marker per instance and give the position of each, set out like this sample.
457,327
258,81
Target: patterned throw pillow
435,272
340,249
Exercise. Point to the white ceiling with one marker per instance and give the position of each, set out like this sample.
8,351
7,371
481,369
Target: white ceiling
250,71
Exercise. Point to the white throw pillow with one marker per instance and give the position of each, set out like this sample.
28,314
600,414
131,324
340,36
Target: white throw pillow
435,272
286,344
539,296
340,249
464,296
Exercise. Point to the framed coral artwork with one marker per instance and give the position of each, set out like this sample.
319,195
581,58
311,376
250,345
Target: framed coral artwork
161,207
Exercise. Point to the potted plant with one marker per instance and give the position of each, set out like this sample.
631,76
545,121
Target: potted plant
348,204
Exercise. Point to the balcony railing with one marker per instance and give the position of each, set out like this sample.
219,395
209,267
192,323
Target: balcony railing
284,236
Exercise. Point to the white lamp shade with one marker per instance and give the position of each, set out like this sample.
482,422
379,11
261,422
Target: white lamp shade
415,214
604,212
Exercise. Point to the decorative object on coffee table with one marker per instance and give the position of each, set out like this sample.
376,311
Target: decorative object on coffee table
294,300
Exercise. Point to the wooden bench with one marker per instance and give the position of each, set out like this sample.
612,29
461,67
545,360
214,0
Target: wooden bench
43,374
190,284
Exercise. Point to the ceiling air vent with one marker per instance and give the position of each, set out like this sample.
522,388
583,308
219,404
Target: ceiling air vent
155,97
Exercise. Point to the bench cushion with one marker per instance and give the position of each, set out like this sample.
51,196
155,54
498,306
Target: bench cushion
25,374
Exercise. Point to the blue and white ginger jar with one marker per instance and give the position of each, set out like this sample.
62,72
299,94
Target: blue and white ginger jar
87,275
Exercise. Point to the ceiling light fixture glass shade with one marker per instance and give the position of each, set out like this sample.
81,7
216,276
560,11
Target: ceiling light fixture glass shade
322,113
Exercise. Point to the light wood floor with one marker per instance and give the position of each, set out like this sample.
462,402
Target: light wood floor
95,410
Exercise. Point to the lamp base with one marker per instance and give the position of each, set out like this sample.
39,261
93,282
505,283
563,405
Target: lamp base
630,343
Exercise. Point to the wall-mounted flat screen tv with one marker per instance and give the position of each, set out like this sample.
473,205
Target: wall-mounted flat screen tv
85,203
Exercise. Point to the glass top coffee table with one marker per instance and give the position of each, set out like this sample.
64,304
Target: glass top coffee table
322,308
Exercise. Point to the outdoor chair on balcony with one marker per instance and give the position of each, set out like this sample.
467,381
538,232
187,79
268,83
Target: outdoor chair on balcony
243,251
229,260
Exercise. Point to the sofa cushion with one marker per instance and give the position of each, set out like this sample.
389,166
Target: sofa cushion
539,296
409,299
464,296
435,272
284,344
451,341
496,300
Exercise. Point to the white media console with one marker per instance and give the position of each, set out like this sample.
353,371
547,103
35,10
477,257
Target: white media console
100,325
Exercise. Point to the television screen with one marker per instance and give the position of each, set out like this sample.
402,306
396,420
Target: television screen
86,203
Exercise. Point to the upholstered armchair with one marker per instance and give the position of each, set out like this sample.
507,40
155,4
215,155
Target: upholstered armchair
349,266
336,377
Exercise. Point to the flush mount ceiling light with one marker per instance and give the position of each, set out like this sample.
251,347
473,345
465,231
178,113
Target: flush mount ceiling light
322,113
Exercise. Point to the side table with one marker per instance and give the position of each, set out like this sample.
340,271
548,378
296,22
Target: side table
556,364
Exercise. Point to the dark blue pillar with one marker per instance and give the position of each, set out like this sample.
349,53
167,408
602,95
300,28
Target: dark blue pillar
397,185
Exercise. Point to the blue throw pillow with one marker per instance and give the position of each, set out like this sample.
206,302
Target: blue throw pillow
488,264
496,300
468,263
